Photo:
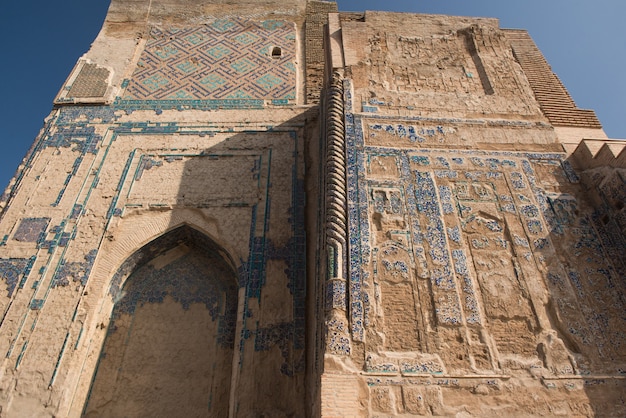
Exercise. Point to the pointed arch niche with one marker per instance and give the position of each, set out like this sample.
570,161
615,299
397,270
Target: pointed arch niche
169,345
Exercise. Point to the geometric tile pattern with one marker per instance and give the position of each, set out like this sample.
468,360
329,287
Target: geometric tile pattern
281,335
297,263
14,270
82,139
67,115
228,59
474,181
31,229
90,82
77,271
199,280
74,130
288,336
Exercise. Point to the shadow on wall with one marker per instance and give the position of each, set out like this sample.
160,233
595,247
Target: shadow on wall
169,345
215,306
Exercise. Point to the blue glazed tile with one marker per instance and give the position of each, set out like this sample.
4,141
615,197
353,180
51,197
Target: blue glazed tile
15,271
31,229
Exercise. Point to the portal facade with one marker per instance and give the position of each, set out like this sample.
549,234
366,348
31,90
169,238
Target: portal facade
476,277
270,209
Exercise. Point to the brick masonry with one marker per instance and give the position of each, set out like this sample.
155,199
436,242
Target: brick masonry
428,246
555,101
477,274
316,18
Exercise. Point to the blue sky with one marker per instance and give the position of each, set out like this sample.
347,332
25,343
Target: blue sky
41,40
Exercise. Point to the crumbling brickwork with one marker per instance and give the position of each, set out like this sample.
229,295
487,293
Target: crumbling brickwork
485,272
154,236
316,18
271,209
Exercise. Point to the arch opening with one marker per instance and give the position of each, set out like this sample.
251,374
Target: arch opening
277,52
169,345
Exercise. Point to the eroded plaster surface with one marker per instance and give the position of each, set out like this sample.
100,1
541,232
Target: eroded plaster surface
189,236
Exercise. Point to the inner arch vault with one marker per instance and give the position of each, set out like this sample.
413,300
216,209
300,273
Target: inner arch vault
169,345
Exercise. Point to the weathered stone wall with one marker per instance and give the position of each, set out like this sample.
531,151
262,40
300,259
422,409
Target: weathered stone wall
154,246
316,19
484,276
464,249
554,99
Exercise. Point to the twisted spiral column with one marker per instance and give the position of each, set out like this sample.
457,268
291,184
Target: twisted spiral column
338,341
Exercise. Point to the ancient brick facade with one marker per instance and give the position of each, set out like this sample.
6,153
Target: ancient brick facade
483,270
271,209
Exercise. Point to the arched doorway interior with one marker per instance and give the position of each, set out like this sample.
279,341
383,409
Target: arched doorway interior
169,345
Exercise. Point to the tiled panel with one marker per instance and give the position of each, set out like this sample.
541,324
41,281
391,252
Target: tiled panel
15,271
145,290
31,230
91,82
228,59
175,322
185,280
77,271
